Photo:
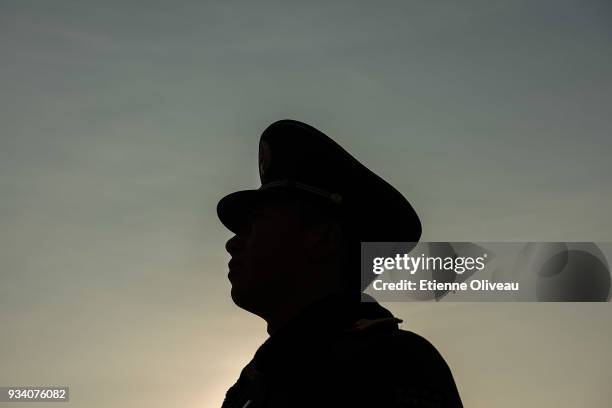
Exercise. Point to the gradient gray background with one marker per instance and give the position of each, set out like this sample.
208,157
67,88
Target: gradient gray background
123,123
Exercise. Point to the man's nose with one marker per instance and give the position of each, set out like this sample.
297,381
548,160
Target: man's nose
234,244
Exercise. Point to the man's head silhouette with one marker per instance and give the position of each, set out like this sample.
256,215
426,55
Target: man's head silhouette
298,235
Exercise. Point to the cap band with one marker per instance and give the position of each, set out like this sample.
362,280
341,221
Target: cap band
334,197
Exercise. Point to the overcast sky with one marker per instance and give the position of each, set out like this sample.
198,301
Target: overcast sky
124,122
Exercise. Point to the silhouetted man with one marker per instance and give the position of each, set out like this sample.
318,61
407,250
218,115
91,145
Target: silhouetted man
295,263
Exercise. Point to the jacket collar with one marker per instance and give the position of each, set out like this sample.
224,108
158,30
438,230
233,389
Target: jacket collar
317,324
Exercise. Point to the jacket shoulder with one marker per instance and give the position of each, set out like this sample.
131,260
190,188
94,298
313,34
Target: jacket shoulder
400,365
393,348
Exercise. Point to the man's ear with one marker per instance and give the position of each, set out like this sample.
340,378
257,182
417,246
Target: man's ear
323,241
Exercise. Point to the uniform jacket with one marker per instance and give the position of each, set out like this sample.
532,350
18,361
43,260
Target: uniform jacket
345,353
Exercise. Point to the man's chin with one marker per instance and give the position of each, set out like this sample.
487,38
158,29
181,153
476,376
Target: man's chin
246,300
241,297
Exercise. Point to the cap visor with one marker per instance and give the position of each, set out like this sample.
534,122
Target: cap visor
234,209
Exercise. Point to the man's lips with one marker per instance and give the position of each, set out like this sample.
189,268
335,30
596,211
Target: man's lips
233,265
